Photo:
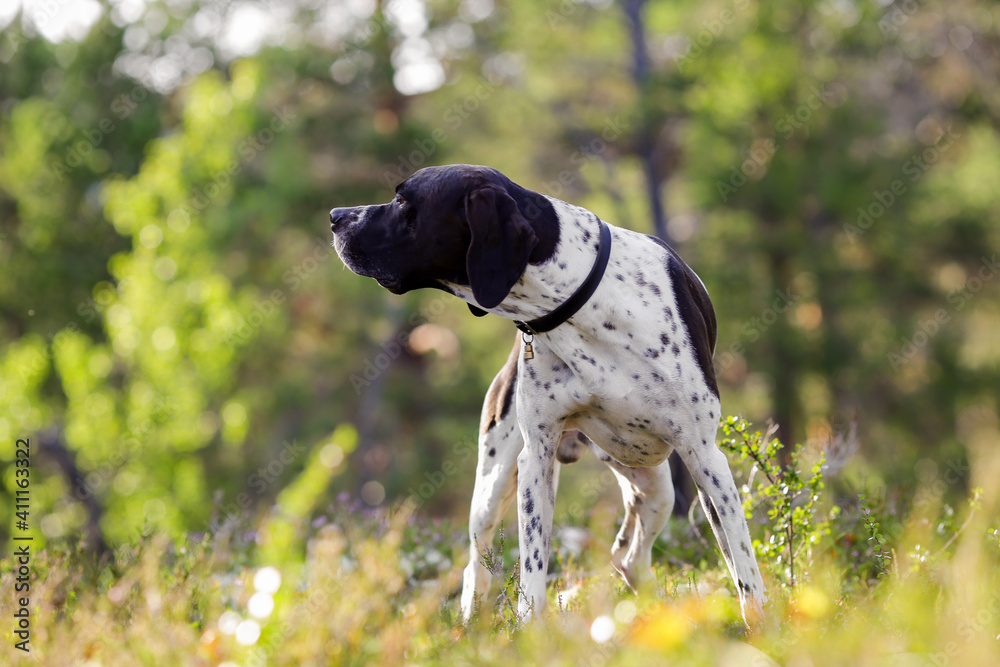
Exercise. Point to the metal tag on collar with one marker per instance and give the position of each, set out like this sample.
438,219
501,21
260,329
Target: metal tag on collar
529,352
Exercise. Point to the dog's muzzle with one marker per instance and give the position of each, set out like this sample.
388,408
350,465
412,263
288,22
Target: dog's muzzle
341,217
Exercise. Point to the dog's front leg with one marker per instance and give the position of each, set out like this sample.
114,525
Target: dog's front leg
535,506
496,471
536,496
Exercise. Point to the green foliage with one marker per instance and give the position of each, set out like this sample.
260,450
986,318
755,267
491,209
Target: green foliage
172,314
505,617
877,539
789,499
173,319
355,596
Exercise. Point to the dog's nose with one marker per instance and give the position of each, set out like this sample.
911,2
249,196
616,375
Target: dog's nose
339,217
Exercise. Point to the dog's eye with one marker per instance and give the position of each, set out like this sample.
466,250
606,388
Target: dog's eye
399,200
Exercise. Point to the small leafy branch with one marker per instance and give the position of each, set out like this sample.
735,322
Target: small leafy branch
507,617
876,537
789,498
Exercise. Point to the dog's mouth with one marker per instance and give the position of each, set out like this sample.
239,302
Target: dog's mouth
362,267
382,265
391,284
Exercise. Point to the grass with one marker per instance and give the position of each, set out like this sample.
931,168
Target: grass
860,582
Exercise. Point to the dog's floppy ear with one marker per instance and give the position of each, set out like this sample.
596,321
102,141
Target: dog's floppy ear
502,240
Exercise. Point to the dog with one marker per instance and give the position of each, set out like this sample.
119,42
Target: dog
615,355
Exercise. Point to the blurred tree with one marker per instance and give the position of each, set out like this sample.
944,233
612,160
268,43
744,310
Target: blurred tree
170,307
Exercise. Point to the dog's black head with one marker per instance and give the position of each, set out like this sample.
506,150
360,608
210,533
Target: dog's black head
462,224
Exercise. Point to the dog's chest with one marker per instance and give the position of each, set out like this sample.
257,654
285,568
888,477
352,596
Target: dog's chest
632,406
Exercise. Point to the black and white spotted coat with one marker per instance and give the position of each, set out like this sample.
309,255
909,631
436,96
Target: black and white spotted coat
632,370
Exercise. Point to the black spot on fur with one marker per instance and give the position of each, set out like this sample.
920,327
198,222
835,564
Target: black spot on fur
493,451
696,313
713,516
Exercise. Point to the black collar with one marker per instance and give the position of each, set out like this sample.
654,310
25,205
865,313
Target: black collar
570,306
573,304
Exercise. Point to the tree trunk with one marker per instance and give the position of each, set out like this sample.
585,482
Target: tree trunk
646,136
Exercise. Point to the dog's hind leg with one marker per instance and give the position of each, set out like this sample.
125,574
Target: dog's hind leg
720,498
648,495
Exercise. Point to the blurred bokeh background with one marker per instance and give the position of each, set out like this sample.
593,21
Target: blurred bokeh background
179,343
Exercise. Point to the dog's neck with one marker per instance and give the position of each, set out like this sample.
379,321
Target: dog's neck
544,286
